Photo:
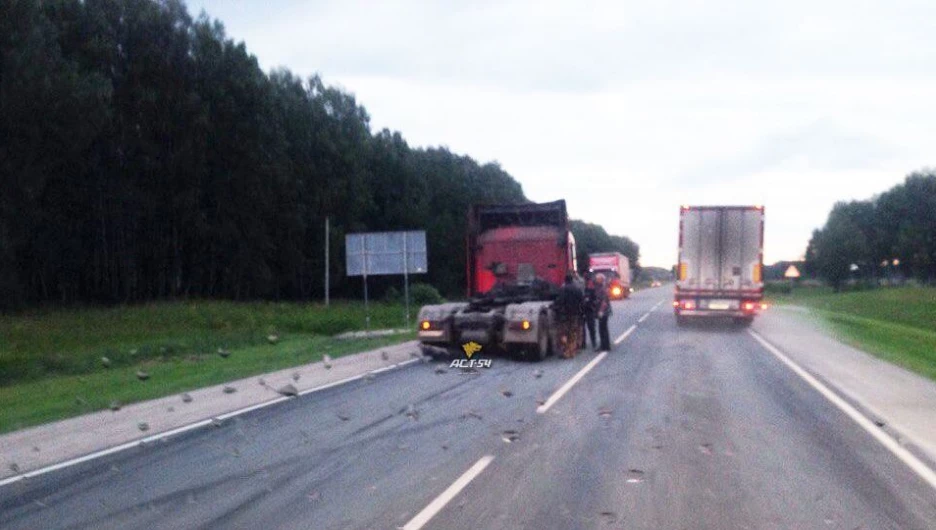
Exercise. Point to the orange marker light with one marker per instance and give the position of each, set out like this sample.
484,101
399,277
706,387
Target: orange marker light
525,325
425,324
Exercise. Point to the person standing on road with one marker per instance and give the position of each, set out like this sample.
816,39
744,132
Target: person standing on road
588,315
602,311
569,314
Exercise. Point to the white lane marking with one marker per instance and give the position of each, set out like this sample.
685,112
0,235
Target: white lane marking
624,335
568,384
654,308
900,452
446,496
641,319
184,428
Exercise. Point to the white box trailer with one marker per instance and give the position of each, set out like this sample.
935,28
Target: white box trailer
721,253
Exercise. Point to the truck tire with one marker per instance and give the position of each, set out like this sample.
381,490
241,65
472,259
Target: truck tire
541,349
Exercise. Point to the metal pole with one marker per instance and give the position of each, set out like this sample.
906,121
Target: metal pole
366,308
326,262
406,278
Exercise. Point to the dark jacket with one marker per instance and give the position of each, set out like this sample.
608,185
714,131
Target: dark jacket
569,301
602,300
589,309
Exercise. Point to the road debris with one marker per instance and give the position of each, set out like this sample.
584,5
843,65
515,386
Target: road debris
288,390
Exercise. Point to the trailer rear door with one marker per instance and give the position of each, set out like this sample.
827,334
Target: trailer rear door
720,249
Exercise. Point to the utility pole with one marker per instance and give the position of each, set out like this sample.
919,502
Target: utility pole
326,261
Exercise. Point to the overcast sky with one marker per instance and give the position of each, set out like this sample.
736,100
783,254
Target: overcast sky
629,109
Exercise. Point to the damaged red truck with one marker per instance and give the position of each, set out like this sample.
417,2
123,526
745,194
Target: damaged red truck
517,259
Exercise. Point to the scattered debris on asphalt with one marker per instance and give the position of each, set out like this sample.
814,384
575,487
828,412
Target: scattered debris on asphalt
186,398
229,390
635,476
288,390
510,436
143,426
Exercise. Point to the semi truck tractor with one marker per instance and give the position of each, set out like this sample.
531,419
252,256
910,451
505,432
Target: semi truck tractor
616,268
518,256
721,251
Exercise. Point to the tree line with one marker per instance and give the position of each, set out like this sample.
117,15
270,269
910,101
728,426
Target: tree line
892,234
146,155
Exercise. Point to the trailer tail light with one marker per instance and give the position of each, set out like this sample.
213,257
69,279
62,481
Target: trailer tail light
749,306
687,304
520,325
675,303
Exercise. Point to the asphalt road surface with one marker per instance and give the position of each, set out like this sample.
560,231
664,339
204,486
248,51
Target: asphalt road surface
697,427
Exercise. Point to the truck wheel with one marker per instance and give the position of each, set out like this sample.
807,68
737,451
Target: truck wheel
541,349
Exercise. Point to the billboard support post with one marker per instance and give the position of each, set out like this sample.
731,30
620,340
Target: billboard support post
406,279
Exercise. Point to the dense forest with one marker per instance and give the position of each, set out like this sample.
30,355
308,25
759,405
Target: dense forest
145,155
891,236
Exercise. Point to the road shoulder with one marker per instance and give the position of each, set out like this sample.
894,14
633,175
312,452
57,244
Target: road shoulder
899,401
25,451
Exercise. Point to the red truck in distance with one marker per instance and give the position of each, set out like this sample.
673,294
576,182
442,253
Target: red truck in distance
517,259
616,268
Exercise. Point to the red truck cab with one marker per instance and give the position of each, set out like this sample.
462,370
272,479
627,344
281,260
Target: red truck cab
616,268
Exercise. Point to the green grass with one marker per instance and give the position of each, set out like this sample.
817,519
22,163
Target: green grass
896,324
51,368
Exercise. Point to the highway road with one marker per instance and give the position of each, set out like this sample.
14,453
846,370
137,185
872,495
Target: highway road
697,427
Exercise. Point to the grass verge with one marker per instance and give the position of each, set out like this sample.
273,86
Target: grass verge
895,324
51,361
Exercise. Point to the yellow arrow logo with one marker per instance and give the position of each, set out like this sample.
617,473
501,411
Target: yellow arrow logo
471,348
